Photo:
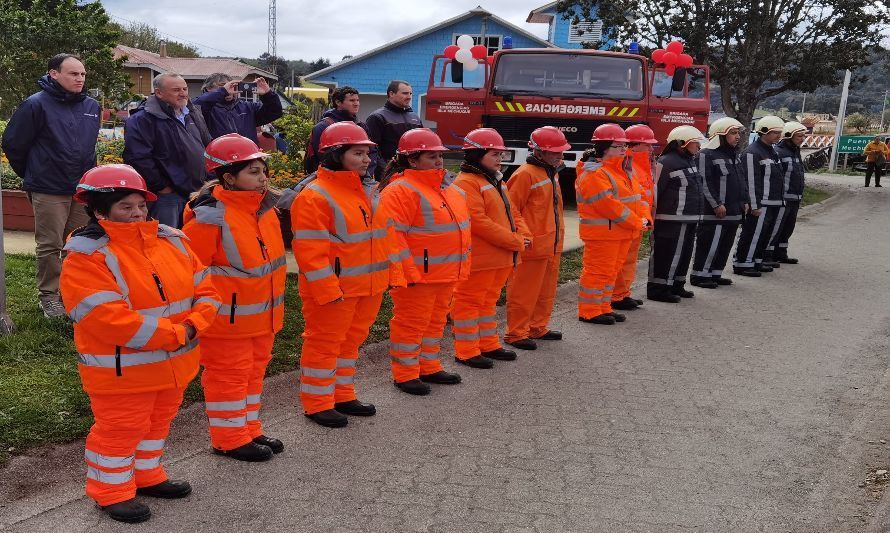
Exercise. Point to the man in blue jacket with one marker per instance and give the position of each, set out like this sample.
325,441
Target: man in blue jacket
345,104
164,141
50,142
225,113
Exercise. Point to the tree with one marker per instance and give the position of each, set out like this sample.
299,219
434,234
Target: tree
274,64
754,49
146,37
859,122
35,30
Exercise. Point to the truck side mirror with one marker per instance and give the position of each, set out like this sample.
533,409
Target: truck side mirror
457,72
678,82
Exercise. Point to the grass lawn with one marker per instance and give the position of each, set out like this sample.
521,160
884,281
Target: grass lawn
812,195
41,400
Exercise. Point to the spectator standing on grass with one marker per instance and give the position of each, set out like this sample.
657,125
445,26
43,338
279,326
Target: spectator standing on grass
50,142
224,112
164,141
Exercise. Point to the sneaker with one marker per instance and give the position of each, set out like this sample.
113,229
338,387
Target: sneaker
52,307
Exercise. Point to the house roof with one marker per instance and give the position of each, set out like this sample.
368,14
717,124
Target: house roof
188,67
477,11
539,15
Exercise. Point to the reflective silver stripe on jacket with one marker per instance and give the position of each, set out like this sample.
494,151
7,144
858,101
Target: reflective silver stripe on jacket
364,269
441,259
342,230
320,373
257,272
109,478
135,358
236,405
321,273
108,461
236,422
148,464
541,183
251,309
151,445
89,303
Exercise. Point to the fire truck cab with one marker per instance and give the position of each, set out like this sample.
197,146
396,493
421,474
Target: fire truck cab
520,90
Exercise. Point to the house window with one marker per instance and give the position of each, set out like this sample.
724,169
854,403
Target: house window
492,42
586,31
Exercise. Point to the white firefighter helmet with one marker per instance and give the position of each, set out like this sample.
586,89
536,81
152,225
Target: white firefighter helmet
685,135
768,124
721,127
790,128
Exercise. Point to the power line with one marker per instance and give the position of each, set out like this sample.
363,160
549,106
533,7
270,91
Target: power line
179,39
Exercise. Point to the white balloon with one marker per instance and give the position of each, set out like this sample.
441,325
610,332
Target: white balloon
464,56
471,66
465,42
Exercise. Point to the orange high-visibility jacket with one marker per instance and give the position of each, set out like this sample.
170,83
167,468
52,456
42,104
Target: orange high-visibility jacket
432,226
343,244
130,288
237,234
537,196
496,226
642,174
608,201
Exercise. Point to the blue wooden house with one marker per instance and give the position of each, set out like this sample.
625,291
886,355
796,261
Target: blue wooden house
563,32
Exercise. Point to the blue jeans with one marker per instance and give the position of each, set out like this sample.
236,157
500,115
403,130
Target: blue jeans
168,209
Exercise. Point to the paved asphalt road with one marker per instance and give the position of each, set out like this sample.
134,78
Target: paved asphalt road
757,407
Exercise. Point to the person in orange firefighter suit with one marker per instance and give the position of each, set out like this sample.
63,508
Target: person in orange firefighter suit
499,234
432,228
611,217
535,192
640,139
347,256
139,298
233,228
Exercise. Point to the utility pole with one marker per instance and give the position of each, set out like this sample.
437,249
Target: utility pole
272,48
883,109
803,106
841,116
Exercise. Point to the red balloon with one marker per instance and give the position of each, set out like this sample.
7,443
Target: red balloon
670,69
675,47
684,60
490,60
451,50
479,51
669,58
658,55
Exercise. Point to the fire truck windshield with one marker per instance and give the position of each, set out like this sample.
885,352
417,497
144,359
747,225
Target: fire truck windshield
569,75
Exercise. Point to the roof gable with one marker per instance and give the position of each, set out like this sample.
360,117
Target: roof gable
477,12
543,14
188,67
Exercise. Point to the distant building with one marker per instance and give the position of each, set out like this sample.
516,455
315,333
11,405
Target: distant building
563,32
142,66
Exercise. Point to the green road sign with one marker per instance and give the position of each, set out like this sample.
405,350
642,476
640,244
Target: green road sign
853,144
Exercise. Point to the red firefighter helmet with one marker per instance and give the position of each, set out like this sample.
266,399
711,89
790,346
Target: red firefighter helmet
420,140
112,178
228,149
609,132
549,139
346,133
485,139
640,133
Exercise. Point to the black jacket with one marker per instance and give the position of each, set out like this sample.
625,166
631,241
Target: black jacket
164,150
51,139
385,127
678,189
764,175
792,166
724,184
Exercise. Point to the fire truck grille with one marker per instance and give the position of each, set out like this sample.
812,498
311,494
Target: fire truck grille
518,129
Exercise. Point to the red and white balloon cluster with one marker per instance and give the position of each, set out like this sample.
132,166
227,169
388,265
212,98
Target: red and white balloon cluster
465,53
672,57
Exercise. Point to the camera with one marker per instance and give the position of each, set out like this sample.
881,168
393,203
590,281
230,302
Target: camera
246,86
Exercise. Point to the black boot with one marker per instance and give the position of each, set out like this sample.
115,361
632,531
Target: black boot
330,418
413,386
762,267
638,302
662,293
476,362
500,354
551,335
679,289
129,511
250,452
604,319
355,408
524,344
723,281
704,283
274,444
625,304
748,272
788,260
172,489
617,316
441,378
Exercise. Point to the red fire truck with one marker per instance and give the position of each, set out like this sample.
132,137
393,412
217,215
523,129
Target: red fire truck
574,90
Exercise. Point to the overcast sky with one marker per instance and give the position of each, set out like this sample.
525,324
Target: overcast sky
306,29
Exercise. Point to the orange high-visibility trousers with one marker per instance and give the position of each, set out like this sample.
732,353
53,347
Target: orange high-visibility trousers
334,332
475,312
419,315
602,261
126,442
531,292
627,272
233,385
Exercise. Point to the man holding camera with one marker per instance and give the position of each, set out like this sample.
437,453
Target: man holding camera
225,113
